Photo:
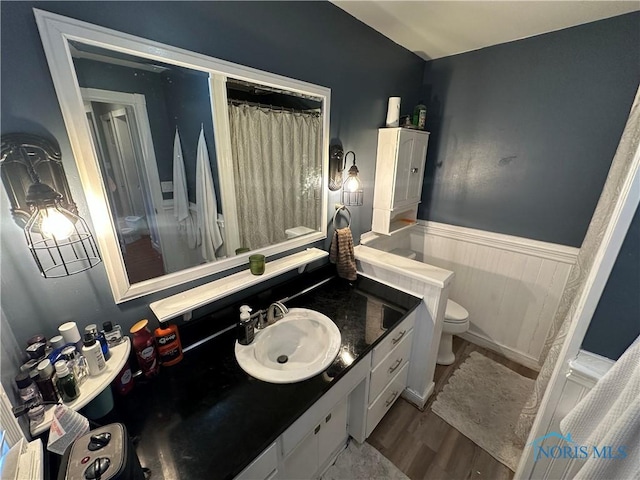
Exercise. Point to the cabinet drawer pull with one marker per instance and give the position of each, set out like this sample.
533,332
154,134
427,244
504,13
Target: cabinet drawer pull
414,170
316,430
397,364
328,417
397,339
390,401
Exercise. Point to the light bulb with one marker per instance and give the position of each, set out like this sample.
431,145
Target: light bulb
55,225
352,184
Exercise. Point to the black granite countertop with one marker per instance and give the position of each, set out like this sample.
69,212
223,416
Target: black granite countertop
205,418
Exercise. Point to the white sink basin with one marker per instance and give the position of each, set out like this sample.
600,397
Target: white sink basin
298,346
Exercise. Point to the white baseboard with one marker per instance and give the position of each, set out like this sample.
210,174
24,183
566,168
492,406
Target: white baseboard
511,354
417,399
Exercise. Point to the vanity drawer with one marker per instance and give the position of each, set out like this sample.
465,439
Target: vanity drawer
393,339
389,395
390,366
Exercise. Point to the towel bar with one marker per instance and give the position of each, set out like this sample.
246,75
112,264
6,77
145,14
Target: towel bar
339,207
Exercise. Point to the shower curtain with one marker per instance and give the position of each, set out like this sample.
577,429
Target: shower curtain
570,299
277,157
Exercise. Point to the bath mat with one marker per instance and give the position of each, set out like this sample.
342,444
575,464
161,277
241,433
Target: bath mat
362,462
483,400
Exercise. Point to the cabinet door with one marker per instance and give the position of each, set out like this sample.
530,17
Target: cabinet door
412,152
333,432
303,460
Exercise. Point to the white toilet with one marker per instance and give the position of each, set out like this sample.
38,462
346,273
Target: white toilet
456,320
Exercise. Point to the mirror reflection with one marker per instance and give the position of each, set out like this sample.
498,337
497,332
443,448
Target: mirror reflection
174,204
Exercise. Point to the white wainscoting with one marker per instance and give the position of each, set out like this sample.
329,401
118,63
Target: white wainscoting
511,286
584,372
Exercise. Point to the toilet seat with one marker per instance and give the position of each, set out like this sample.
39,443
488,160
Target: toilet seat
455,313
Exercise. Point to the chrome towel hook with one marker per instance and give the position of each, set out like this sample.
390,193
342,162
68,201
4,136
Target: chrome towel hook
340,207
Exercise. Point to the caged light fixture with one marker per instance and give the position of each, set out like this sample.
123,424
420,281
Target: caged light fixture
352,194
33,177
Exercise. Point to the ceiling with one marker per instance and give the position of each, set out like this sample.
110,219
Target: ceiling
435,29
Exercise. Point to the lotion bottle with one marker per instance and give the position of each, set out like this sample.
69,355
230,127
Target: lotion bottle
92,351
245,327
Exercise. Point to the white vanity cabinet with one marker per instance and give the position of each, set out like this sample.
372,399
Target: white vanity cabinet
389,372
400,165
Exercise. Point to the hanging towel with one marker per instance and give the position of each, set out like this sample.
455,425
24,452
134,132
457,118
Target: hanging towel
186,225
341,253
207,206
609,415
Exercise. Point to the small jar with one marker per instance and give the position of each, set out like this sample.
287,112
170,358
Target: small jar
29,394
57,342
145,347
67,384
113,334
45,381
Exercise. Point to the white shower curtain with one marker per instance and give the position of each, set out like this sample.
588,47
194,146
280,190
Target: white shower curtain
277,157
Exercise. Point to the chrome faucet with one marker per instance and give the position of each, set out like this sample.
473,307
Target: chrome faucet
275,312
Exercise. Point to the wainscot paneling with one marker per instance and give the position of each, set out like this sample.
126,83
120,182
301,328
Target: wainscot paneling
583,373
511,286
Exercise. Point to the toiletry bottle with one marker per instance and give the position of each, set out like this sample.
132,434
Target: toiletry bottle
67,385
92,353
420,116
246,333
123,383
29,394
93,330
76,363
145,347
169,347
45,381
113,334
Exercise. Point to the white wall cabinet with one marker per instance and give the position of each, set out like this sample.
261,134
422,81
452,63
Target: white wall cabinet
400,165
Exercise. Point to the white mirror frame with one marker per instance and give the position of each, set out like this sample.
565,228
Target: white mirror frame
55,32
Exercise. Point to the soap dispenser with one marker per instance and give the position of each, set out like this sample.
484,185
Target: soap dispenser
245,326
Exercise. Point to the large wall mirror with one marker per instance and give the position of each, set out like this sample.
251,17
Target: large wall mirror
188,163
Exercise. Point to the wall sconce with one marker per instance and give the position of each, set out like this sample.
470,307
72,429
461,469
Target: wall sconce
41,204
336,167
352,194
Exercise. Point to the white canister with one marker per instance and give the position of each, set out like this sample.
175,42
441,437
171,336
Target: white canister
393,112
71,334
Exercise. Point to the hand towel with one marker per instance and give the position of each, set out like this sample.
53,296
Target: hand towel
181,211
207,205
341,253
609,415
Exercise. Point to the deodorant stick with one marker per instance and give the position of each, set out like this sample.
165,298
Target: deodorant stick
71,334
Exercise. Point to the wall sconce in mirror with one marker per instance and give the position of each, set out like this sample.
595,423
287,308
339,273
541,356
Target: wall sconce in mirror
336,167
41,204
352,192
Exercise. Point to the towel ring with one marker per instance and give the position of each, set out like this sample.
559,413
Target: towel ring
340,207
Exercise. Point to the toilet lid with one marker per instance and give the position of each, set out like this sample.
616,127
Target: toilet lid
404,252
455,312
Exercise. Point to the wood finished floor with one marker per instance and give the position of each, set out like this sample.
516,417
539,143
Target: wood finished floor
424,446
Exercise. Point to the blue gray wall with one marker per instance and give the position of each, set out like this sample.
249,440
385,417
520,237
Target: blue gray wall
311,41
616,321
523,133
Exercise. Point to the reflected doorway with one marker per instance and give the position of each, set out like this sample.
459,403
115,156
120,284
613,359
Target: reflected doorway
120,151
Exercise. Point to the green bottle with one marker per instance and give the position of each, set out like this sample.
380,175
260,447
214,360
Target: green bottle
420,116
